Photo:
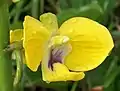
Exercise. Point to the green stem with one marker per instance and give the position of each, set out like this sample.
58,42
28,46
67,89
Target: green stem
41,6
74,86
35,8
18,10
83,85
89,83
5,62
19,61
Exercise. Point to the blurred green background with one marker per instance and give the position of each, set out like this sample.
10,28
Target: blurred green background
104,78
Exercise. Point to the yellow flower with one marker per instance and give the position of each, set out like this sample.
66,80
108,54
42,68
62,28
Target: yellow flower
79,45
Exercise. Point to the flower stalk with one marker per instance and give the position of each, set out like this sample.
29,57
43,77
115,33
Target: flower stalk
75,84
5,62
18,76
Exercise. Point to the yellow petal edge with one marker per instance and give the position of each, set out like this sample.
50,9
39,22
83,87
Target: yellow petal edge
91,43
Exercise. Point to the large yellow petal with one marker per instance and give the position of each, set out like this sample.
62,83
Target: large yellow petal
91,43
16,35
35,37
50,22
59,73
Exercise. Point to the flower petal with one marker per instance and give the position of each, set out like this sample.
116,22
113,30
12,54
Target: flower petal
34,40
16,35
59,73
90,41
50,22
34,29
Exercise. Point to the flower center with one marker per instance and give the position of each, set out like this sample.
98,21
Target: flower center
58,54
55,56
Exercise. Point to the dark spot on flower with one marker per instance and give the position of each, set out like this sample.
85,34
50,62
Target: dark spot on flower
55,56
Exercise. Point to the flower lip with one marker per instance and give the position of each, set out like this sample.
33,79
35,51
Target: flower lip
56,56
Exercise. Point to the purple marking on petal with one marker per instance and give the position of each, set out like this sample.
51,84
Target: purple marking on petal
55,57
58,54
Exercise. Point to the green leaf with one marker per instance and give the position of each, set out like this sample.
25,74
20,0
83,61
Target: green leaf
110,78
63,4
112,66
2,2
66,14
107,6
117,83
76,4
92,11
96,77
79,3
110,88
101,3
